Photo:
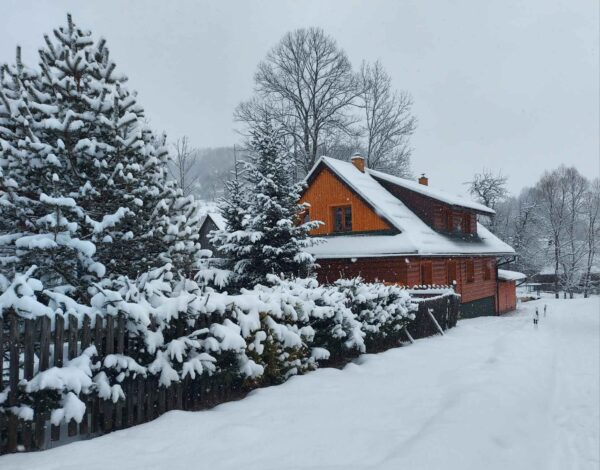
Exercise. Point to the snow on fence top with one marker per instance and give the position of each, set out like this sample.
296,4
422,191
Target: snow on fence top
429,292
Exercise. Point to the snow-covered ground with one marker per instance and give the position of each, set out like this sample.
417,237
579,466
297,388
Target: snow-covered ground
494,393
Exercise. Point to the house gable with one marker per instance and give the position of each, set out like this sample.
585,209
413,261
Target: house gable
326,191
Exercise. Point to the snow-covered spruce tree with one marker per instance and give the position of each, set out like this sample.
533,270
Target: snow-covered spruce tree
181,227
85,178
264,234
84,195
43,220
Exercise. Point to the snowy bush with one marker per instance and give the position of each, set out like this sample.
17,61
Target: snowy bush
336,329
382,310
179,330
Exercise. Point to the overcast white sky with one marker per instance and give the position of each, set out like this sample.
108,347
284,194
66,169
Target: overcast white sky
510,85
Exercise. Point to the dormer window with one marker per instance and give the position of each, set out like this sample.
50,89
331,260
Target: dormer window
458,222
466,223
458,225
342,218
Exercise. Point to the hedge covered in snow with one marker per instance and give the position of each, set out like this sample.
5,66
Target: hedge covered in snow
178,328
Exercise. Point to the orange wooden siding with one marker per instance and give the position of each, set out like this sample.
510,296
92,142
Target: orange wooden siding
507,296
326,192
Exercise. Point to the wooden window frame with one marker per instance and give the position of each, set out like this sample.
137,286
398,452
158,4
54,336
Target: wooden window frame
487,271
345,227
451,267
426,273
466,222
449,220
470,268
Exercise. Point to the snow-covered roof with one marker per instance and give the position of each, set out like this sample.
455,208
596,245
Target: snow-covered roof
217,219
453,200
505,275
415,237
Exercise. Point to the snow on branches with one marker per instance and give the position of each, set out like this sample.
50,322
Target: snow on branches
177,330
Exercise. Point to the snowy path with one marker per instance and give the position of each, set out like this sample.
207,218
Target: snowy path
493,393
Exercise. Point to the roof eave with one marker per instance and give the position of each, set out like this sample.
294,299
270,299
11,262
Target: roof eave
414,254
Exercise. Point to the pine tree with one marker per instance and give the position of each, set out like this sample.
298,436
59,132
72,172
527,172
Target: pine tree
82,177
265,235
41,220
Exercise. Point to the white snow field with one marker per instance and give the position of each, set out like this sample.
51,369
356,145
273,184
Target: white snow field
494,393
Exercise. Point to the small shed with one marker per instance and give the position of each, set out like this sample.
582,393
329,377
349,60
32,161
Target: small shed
212,221
507,290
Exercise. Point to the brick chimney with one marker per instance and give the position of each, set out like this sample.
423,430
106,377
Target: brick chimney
358,161
424,180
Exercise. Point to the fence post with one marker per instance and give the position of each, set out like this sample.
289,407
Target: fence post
28,355
140,416
59,327
13,379
44,363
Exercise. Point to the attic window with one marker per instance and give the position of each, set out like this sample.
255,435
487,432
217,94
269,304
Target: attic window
466,222
449,220
342,219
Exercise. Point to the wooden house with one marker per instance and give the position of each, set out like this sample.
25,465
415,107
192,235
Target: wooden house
211,221
394,230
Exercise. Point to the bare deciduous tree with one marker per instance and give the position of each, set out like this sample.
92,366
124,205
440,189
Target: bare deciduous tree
592,230
489,189
307,87
574,186
550,193
517,222
185,167
388,121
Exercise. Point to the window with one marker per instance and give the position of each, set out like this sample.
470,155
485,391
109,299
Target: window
459,224
342,219
426,273
487,271
449,221
470,270
454,221
451,272
466,223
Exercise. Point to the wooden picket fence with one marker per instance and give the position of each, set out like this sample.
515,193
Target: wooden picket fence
30,345
44,343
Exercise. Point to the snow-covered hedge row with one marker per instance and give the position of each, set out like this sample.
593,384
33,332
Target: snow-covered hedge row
179,328
382,310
